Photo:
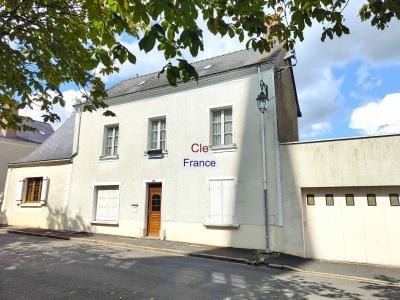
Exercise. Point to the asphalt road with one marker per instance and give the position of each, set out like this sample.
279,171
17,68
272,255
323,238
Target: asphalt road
40,268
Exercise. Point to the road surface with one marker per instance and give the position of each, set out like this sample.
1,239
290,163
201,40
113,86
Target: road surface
40,268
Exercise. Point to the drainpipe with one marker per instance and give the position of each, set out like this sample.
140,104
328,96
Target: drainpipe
264,164
75,150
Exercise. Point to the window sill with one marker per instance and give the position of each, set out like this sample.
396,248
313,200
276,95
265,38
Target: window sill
31,205
156,153
109,158
224,148
222,226
105,223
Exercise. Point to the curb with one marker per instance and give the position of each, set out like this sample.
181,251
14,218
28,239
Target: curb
333,275
220,258
52,236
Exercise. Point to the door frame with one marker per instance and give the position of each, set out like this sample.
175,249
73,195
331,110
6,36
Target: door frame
147,183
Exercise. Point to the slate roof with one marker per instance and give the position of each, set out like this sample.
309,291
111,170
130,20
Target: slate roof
219,64
57,147
43,131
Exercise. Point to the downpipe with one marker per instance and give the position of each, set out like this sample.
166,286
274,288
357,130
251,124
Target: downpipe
264,164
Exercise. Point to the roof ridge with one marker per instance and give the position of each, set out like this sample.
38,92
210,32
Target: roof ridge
194,62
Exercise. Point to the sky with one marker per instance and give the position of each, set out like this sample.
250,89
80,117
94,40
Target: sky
348,86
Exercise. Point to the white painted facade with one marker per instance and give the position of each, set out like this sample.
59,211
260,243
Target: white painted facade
224,204
185,207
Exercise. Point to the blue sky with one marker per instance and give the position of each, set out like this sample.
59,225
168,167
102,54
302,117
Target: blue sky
349,86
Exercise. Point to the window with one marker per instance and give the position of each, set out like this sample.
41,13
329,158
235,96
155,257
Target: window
158,134
394,200
111,141
349,199
310,199
107,203
222,202
222,127
371,199
329,200
33,190
156,202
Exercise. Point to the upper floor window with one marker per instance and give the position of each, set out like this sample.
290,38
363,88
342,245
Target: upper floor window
158,134
111,140
222,127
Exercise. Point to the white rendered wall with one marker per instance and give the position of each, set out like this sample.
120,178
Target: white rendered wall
185,190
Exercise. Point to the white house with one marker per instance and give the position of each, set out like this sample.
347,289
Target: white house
186,164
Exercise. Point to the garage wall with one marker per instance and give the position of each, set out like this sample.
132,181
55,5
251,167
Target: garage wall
53,214
357,162
356,233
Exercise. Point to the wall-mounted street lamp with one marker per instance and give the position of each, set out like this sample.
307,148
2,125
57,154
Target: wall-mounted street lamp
262,101
262,98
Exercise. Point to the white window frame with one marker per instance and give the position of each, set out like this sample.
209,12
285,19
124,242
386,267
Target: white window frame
104,152
150,131
22,188
96,186
222,133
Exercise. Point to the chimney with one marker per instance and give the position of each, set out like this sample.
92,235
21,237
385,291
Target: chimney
8,132
270,24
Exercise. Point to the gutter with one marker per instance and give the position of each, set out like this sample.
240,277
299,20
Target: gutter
40,162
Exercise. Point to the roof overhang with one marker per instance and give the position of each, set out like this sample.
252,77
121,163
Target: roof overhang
40,163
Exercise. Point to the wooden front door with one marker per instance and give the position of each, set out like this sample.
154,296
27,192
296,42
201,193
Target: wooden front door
154,210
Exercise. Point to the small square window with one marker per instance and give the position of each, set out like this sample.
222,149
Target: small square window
310,199
349,199
371,199
329,200
394,200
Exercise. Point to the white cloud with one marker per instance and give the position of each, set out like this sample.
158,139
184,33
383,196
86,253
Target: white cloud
317,129
364,44
70,97
365,80
320,100
379,117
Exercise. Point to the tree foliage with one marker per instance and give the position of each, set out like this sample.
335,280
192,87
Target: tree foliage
46,43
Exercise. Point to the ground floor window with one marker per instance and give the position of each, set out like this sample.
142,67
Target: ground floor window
107,203
222,202
33,190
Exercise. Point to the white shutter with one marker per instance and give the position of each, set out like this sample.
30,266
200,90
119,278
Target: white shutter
222,202
20,189
45,187
107,206
228,197
215,212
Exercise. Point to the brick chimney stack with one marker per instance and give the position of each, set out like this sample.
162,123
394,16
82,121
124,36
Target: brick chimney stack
8,132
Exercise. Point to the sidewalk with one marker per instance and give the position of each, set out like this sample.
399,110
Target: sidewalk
352,271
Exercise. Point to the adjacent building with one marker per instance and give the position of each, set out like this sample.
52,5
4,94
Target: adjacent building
198,163
17,144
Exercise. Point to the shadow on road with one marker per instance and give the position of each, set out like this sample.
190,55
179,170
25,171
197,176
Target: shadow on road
132,273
